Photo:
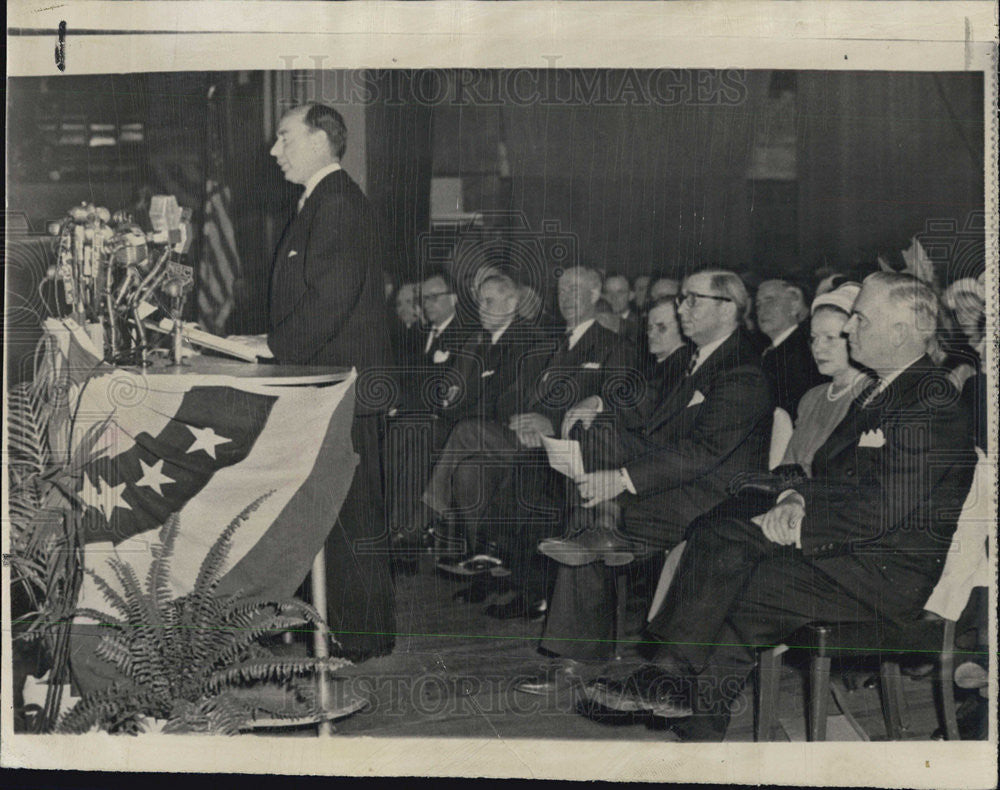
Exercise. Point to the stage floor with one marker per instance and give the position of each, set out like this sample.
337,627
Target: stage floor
453,673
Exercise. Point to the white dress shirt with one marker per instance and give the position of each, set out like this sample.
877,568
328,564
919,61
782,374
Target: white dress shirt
578,332
314,179
436,333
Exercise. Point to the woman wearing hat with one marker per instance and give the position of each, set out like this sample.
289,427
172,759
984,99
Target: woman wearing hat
824,406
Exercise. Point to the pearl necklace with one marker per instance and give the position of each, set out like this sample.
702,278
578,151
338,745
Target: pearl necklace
835,396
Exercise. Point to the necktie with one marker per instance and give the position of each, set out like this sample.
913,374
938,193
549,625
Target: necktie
430,339
869,393
693,362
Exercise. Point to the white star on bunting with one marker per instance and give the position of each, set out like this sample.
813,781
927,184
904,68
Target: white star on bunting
91,494
205,439
153,477
111,497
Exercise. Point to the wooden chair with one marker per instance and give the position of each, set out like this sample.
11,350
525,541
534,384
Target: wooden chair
966,568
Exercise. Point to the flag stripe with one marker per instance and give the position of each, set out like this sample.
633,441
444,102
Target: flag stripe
277,563
272,551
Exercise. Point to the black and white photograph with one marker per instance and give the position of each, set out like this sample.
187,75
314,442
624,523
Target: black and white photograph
608,407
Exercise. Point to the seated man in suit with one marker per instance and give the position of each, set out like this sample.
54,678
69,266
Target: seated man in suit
863,540
482,458
787,361
618,294
660,473
405,334
444,336
487,365
640,294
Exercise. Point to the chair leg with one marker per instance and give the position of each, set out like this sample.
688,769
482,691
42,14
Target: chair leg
621,602
768,690
819,696
892,689
946,682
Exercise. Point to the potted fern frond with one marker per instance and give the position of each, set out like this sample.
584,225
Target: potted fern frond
195,663
45,539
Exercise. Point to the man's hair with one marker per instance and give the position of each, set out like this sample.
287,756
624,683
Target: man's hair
443,276
800,292
506,284
321,116
904,290
729,284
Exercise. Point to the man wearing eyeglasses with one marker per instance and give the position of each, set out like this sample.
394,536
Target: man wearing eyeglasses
438,302
655,478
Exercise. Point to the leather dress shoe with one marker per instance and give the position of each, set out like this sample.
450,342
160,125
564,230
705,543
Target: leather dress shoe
474,593
472,565
518,606
596,544
558,676
647,690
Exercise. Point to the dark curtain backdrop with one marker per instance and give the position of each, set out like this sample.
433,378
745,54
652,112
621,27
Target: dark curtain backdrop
398,136
643,188
881,155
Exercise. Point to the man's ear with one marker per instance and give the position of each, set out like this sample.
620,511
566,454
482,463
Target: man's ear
899,333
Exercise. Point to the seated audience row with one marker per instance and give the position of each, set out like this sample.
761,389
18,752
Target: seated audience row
665,444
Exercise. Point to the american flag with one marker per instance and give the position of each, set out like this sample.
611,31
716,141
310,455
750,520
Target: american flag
203,448
220,258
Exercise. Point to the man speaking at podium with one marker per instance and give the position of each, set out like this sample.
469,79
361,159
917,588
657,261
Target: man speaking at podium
326,296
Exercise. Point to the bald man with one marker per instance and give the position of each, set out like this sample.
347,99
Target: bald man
862,541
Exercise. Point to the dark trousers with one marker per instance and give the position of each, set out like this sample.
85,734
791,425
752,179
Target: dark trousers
735,591
497,491
359,589
412,441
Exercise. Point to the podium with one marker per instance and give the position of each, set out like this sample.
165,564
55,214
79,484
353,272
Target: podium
212,441
218,370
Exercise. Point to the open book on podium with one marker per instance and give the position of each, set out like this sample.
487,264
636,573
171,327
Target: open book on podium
249,348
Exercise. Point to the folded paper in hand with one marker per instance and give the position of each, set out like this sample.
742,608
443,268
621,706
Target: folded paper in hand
564,456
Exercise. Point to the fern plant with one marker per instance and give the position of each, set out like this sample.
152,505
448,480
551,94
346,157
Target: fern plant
196,661
45,536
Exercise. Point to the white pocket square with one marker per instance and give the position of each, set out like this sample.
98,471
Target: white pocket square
591,366
441,356
292,252
696,399
486,374
872,439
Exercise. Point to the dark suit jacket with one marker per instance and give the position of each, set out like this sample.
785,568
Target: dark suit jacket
553,377
407,342
427,378
326,295
487,370
712,425
661,379
887,489
450,341
792,370
632,329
